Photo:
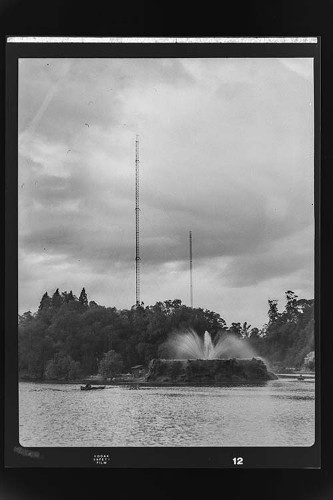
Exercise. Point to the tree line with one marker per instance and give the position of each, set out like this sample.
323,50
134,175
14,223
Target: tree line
69,337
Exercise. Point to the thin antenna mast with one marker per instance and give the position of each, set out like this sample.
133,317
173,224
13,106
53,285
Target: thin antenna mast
137,225
191,282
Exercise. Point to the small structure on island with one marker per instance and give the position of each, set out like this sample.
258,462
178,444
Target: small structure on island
138,370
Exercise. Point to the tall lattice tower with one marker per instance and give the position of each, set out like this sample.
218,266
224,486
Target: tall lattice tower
191,280
137,224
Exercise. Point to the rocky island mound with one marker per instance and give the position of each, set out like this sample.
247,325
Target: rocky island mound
208,371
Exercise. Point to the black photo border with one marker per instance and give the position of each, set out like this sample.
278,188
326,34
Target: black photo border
17,456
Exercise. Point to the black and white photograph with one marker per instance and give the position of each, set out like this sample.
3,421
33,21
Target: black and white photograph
166,252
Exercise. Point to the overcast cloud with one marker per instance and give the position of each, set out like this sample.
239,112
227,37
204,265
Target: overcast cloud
226,150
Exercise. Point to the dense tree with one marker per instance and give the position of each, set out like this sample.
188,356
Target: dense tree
273,312
25,318
57,299
289,336
291,306
83,299
68,336
110,365
68,297
35,347
45,303
62,367
246,330
236,329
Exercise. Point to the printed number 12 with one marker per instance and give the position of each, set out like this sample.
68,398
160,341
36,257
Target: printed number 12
238,460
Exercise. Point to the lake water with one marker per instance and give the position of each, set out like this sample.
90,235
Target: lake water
280,413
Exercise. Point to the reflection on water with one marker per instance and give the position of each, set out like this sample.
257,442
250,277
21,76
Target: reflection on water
280,413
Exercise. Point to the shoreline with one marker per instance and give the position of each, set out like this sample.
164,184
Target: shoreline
141,381
137,384
156,384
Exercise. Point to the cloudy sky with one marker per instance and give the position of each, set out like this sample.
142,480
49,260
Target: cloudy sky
226,151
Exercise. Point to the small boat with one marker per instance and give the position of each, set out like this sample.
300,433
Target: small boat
91,388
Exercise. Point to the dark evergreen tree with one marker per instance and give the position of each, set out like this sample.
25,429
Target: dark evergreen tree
56,299
83,299
45,303
68,297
